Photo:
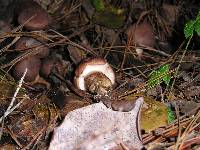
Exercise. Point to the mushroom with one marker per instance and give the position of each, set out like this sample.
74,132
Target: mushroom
53,64
94,75
25,43
141,35
171,14
5,26
40,16
32,63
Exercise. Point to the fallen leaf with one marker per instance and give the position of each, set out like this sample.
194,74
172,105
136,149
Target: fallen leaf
100,128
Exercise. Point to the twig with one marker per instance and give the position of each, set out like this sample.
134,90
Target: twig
188,130
74,44
11,107
9,45
179,126
183,55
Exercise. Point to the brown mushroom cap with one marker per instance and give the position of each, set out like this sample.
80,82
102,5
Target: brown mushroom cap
171,13
92,65
46,67
50,64
5,26
89,61
32,63
40,16
141,35
25,43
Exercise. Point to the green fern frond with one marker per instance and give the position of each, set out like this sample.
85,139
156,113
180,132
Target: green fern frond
158,76
191,26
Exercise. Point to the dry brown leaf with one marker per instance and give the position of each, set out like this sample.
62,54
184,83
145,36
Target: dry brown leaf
98,127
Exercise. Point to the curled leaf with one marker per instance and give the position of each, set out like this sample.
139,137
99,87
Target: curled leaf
98,127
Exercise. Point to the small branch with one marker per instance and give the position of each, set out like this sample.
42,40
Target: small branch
11,108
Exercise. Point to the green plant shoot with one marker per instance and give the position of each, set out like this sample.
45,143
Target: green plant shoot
98,4
170,115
